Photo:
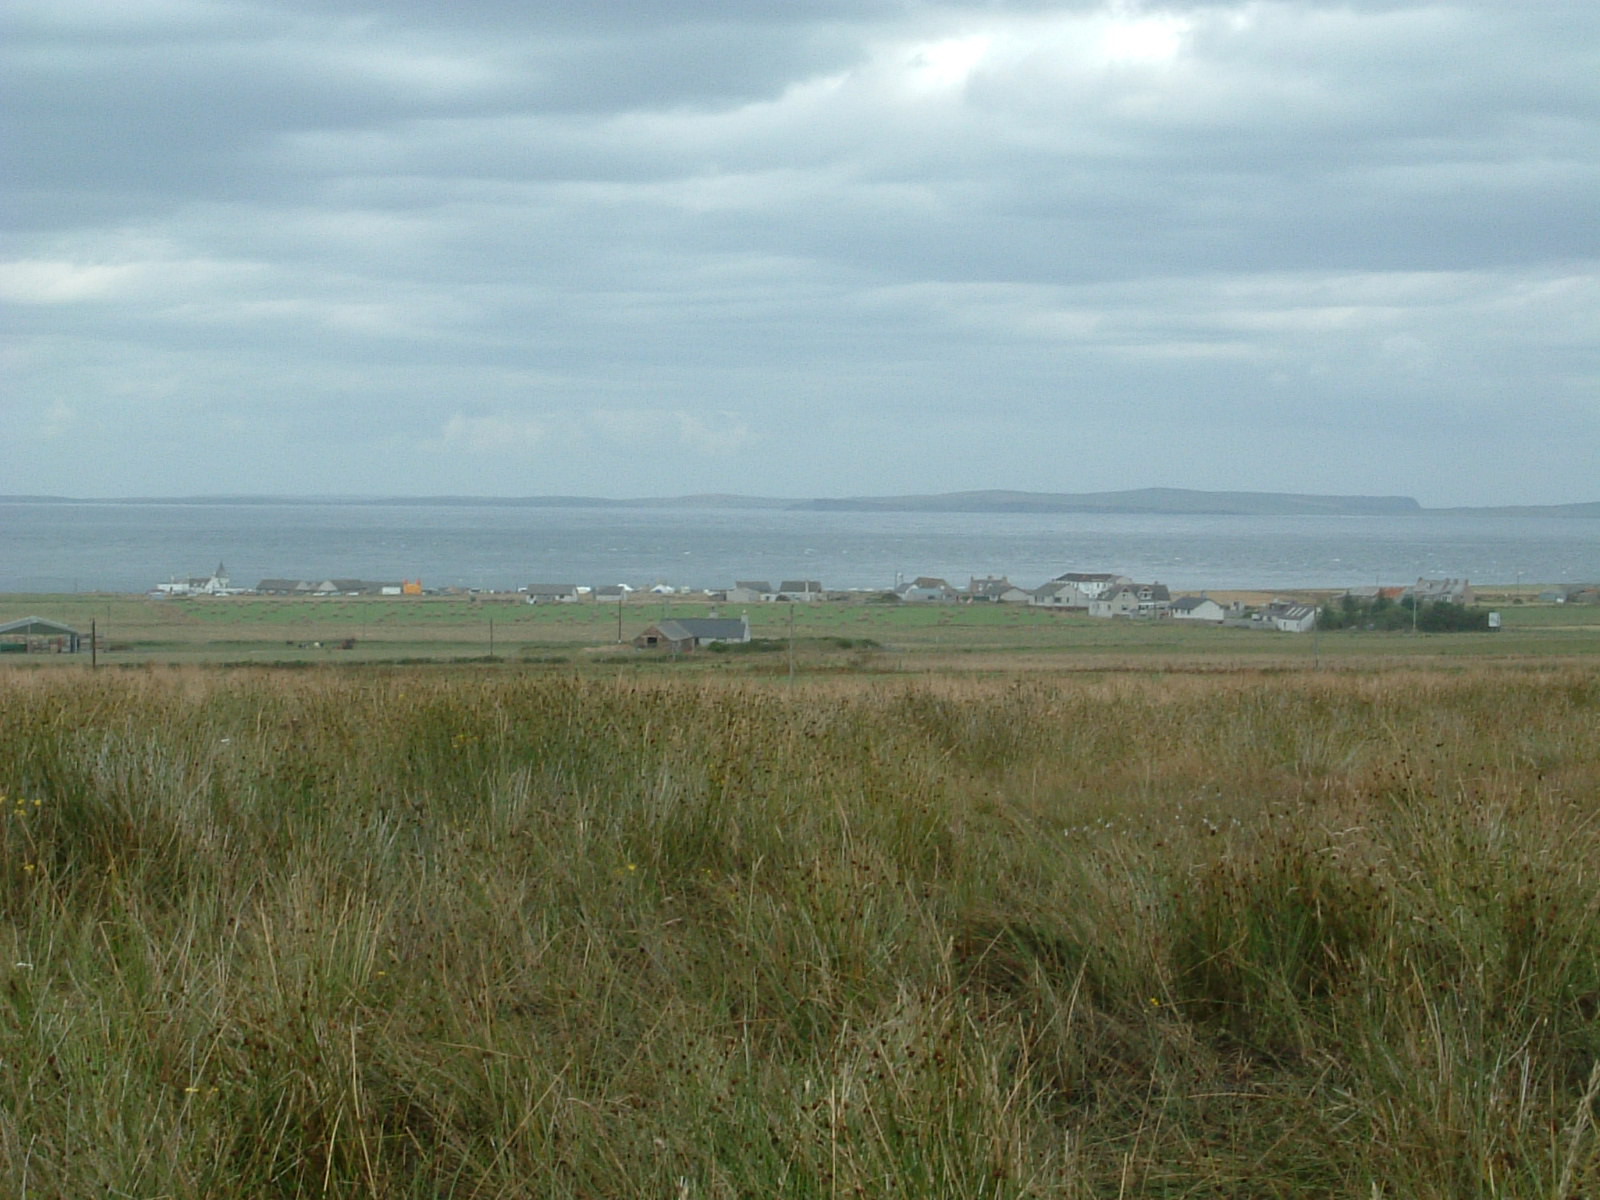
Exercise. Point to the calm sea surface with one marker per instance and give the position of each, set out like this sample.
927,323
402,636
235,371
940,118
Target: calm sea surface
131,547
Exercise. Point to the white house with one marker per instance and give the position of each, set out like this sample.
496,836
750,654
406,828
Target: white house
996,590
1077,589
1198,608
1132,600
804,590
925,589
1057,595
1091,584
551,593
216,585
1289,617
1120,602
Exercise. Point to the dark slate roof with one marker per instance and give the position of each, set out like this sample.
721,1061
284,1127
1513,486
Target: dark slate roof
39,626
1293,612
990,586
703,629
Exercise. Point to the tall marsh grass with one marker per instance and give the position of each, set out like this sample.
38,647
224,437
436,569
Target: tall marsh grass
418,934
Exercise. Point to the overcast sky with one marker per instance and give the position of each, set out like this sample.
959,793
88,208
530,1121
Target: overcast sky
800,247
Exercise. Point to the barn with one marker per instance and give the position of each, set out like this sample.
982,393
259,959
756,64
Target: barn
688,633
35,634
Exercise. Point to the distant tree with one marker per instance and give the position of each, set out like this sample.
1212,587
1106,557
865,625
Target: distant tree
1381,613
1445,617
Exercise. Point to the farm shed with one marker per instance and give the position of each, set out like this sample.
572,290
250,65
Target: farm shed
39,633
551,593
688,633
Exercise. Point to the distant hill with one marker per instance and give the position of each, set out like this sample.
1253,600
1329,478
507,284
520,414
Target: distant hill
1528,510
1140,500
1168,501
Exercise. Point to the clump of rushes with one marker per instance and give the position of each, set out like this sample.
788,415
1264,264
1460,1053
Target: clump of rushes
425,933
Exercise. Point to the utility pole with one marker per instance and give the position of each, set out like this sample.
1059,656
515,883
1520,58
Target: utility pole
94,647
791,641
620,595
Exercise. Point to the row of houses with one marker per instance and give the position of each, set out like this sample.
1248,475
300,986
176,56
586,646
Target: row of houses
1098,594
215,584
1423,591
1105,594
338,587
219,584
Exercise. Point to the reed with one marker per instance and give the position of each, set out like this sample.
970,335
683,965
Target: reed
518,933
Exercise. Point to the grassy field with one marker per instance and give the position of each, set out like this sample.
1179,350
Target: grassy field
1236,932
828,636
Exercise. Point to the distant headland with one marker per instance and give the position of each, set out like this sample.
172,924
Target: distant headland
1154,501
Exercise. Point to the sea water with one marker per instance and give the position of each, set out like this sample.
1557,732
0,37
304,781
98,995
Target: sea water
131,547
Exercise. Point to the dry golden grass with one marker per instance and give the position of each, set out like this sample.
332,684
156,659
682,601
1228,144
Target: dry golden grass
512,933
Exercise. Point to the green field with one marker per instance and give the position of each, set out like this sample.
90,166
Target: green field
465,932
829,636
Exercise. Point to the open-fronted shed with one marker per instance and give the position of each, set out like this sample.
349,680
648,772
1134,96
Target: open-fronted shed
38,633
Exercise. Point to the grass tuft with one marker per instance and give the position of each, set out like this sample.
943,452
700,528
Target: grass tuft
427,933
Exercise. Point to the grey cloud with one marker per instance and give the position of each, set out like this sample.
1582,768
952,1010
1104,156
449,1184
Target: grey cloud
774,235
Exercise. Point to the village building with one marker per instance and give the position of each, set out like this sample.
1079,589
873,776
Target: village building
682,635
1432,591
1077,589
925,589
995,589
803,590
216,584
40,635
1374,592
1057,595
1090,584
356,587
1132,600
1198,608
1288,616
